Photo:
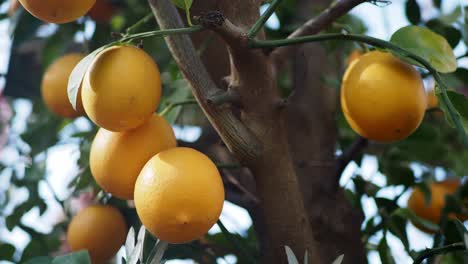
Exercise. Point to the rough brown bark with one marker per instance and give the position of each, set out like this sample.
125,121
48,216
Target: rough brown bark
312,137
258,138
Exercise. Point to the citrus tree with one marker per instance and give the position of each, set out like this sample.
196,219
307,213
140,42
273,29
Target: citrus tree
282,112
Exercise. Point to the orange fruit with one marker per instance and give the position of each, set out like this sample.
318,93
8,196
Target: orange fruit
13,7
102,11
121,89
432,100
382,98
433,211
58,11
353,56
54,86
179,195
116,158
99,229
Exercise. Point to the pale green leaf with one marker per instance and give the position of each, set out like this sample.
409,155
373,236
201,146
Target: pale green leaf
428,45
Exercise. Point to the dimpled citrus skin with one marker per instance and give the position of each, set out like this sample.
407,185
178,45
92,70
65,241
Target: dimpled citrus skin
99,229
433,210
116,158
121,88
179,195
58,11
382,98
54,86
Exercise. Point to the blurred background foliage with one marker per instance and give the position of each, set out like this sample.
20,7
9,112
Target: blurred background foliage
433,152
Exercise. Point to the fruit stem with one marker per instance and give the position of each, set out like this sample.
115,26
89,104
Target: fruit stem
166,32
139,23
438,251
454,115
169,108
263,19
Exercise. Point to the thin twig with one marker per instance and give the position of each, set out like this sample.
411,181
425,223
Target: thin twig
314,26
263,18
139,23
349,154
439,251
169,108
236,243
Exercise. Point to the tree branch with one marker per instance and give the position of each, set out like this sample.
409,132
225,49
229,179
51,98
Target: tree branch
438,251
236,136
314,26
356,147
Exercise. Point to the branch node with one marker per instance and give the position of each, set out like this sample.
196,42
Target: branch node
211,20
229,96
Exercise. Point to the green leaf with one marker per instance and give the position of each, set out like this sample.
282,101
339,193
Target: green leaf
428,45
451,34
413,12
397,226
80,257
385,252
290,255
78,73
7,251
183,4
39,260
460,102
408,214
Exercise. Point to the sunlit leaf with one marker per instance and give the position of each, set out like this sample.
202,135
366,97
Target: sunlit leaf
428,45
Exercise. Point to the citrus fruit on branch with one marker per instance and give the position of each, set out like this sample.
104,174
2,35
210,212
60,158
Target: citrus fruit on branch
58,11
179,195
121,89
99,229
54,86
382,98
432,211
116,158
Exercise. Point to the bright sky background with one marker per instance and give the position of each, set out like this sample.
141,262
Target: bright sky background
381,22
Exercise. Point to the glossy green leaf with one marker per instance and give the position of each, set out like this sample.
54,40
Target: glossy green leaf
428,45
7,251
408,214
77,75
385,252
183,4
413,12
80,257
450,33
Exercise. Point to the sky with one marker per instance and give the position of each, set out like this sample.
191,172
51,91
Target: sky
61,166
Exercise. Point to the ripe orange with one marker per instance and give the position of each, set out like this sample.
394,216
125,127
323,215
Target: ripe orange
122,88
433,211
102,11
58,11
432,100
99,229
179,195
116,158
382,98
54,86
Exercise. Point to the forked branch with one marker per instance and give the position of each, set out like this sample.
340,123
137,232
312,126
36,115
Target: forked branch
314,26
236,136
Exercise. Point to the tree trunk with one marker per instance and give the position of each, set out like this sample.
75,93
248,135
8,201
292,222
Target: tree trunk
312,137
